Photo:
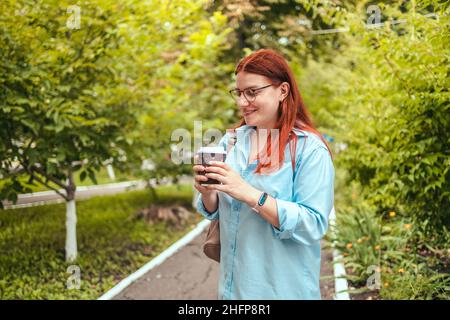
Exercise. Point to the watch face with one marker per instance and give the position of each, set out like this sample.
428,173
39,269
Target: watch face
262,199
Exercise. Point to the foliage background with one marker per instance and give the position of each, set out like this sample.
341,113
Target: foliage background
116,88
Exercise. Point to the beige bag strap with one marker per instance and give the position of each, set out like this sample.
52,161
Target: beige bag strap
293,151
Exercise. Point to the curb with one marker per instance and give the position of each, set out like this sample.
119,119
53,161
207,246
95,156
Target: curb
156,261
340,282
128,185
135,185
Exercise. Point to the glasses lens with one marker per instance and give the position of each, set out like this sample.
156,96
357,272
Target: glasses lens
250,94
235,94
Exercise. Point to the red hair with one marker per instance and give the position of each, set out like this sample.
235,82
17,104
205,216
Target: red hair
292,111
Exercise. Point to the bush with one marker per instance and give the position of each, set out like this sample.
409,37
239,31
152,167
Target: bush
390,253
384,97
395,118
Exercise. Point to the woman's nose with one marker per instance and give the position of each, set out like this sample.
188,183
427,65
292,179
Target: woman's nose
242,101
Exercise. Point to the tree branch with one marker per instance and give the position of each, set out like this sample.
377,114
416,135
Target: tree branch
47,185
48,177
32,174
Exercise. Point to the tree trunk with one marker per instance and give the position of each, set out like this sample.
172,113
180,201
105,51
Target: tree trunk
243,26
71,231
71,221
110,170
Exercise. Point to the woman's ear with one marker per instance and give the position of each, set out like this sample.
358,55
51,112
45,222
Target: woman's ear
284,87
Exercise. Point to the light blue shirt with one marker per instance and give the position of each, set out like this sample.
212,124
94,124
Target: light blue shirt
259,261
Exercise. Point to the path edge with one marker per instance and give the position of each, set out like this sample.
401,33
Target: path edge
163,256
340,280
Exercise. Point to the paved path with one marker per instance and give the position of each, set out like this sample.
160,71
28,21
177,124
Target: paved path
188,274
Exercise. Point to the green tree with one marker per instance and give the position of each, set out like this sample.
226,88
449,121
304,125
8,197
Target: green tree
385,94
104,81
185,81
289,26
66,101
399,145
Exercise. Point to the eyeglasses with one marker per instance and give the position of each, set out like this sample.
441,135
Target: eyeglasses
249,93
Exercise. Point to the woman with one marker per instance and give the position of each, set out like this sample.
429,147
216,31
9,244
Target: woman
273,250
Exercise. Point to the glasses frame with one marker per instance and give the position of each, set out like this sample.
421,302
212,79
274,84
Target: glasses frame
256,90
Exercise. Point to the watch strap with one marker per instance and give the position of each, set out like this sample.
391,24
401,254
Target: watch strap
262,199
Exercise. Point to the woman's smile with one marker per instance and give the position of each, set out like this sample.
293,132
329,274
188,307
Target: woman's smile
249,112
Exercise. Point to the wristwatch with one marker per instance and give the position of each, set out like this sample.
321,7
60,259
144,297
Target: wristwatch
261,201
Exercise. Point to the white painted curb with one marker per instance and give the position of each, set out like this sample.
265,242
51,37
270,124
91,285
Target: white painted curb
340,282
128,185
156,261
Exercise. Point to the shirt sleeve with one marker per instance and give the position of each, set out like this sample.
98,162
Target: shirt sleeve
305,219
199,204
202,210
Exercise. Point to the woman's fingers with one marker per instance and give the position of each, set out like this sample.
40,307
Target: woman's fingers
216,187
200,178
200,188
216,176
198,168
218,170
221,164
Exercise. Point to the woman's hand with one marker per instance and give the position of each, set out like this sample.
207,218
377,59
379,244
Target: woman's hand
232,182
209,197
199,178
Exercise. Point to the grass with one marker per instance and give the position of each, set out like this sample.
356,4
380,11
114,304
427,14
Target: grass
111,244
